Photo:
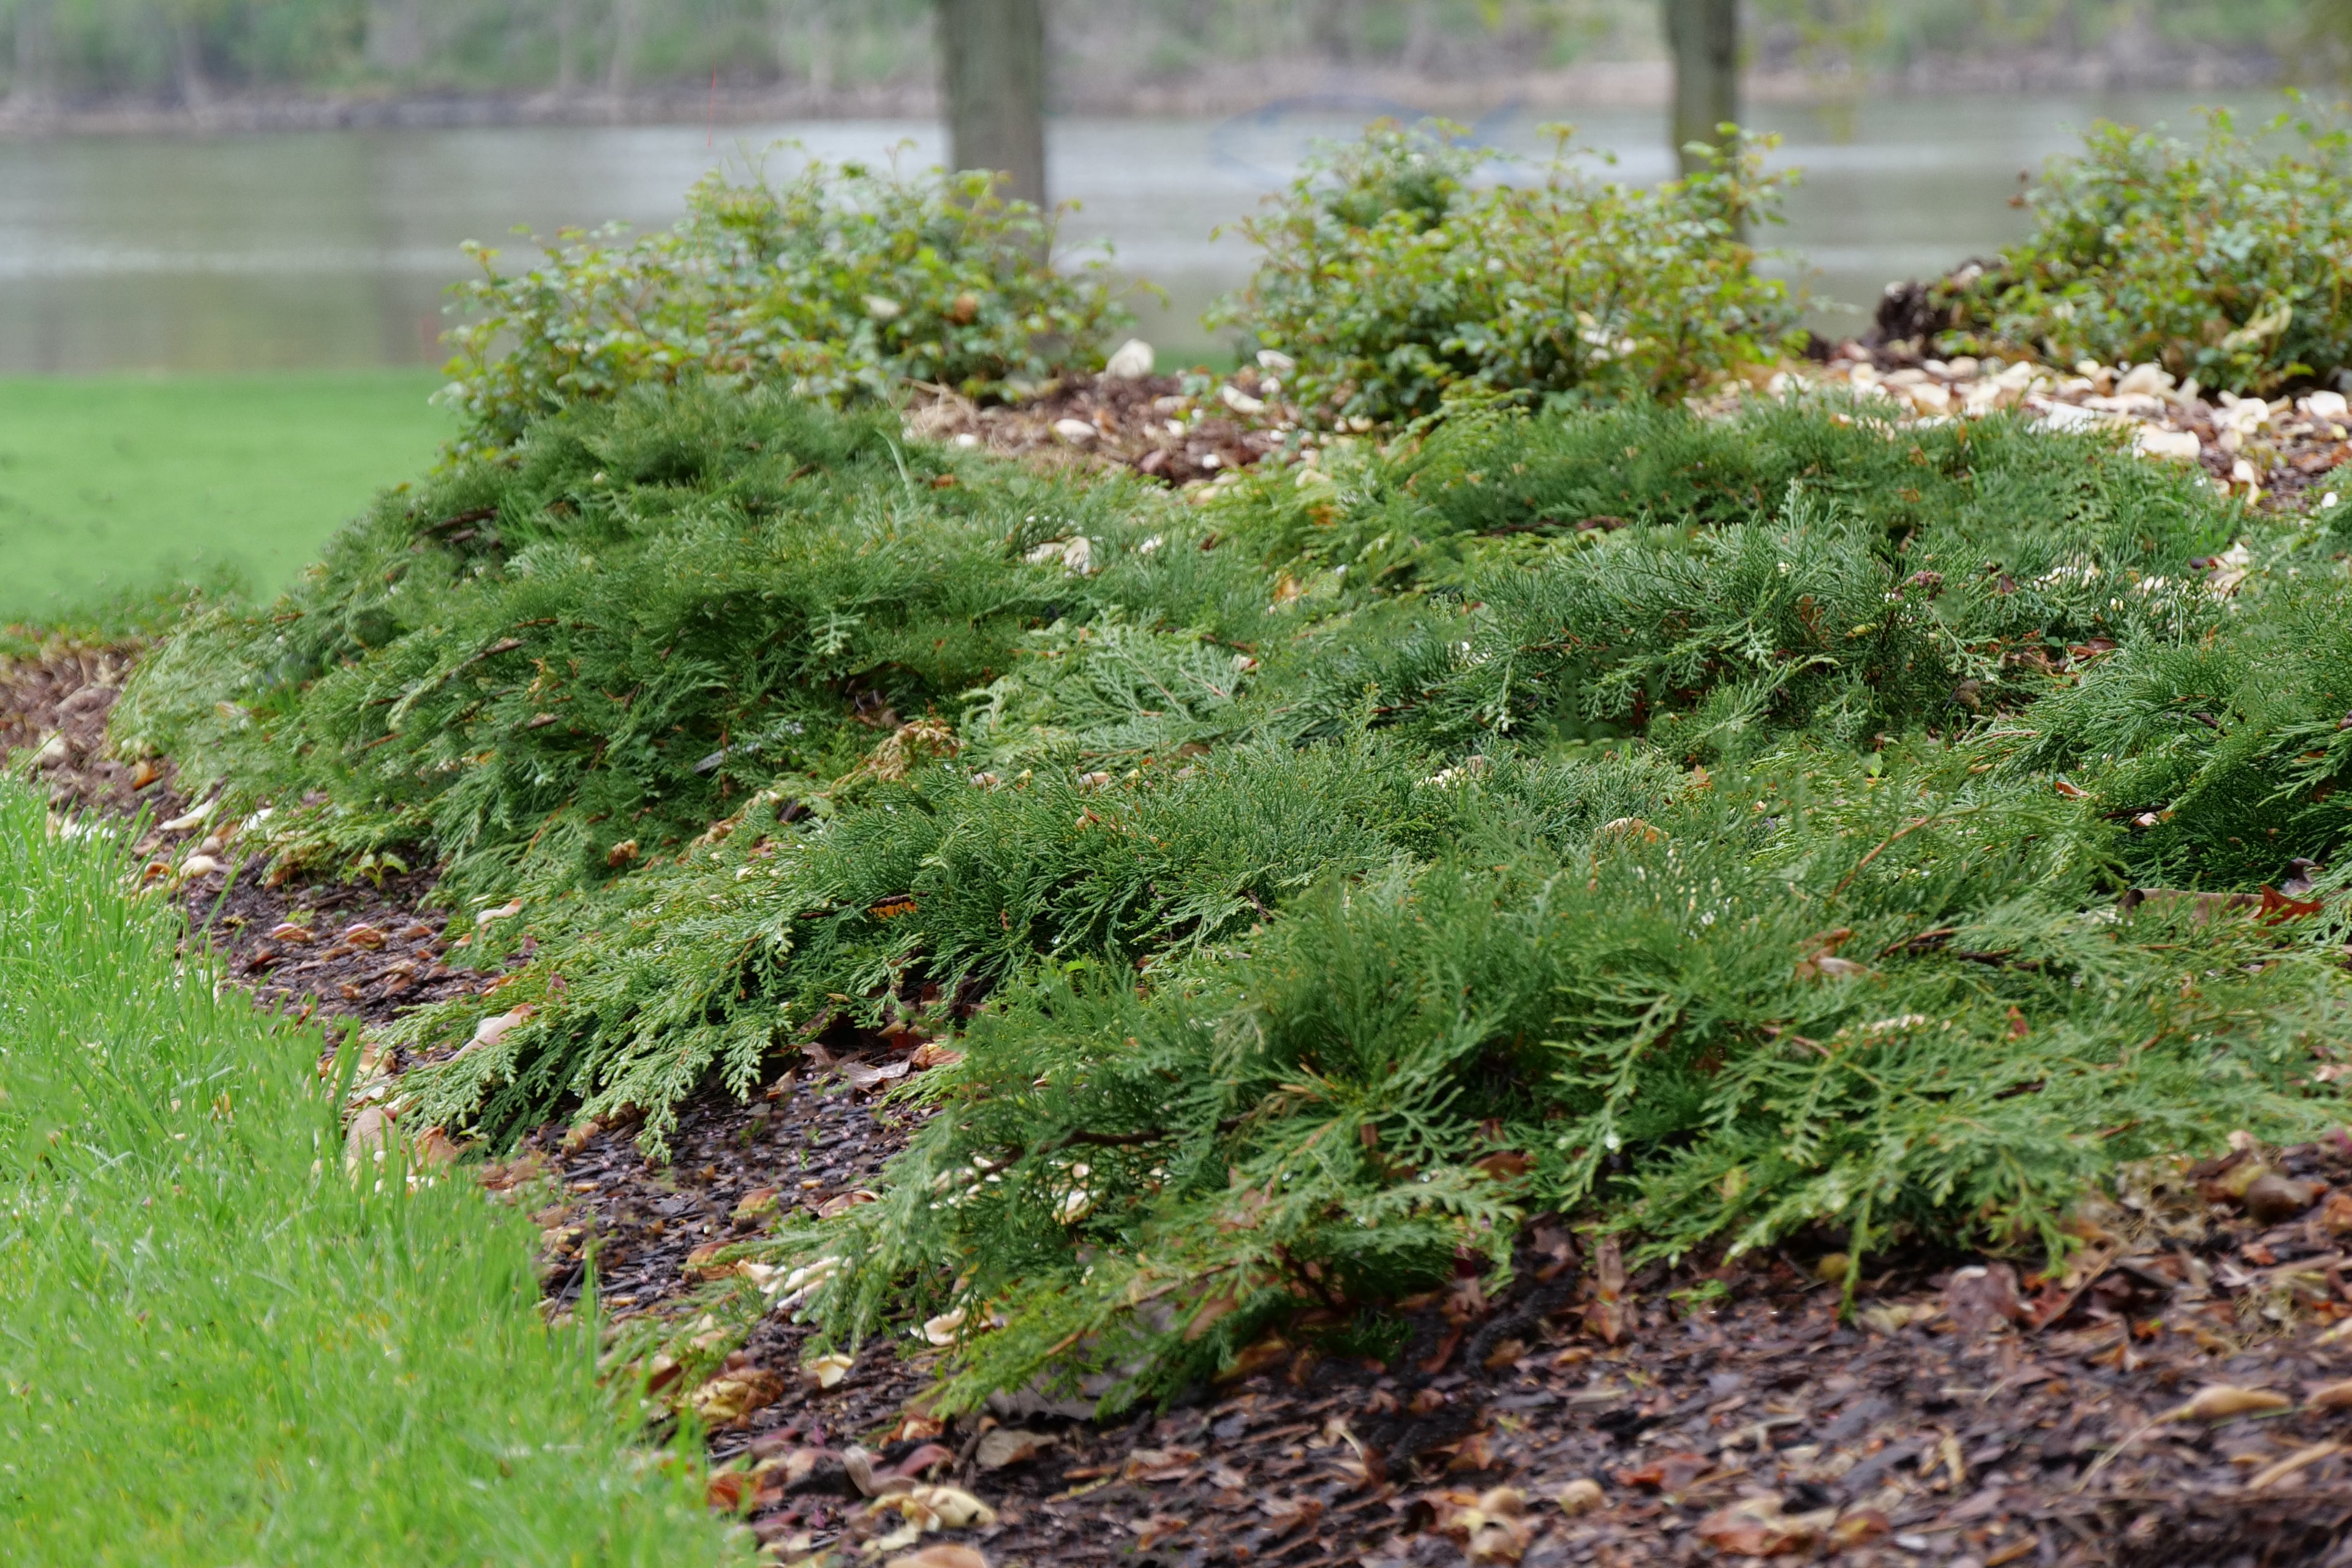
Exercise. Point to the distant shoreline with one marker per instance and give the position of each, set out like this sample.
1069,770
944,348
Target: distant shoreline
1633,84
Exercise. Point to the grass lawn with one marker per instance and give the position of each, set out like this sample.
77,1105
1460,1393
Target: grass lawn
115,483
216,1346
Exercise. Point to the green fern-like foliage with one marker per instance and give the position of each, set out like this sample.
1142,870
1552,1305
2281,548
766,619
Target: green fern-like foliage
1715,829
1896,1002
656,609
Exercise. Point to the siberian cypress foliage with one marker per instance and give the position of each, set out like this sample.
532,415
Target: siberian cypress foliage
1717,829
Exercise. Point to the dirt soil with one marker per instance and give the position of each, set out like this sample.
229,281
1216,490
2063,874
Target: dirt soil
2181,1394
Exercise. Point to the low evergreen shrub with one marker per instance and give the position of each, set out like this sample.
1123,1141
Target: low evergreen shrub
1389,274
1715,829
842,282
1897,1002
2224,259
542,666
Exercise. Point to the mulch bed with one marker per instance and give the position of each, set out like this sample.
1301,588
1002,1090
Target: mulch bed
1966,1417
1693,1415
1176,429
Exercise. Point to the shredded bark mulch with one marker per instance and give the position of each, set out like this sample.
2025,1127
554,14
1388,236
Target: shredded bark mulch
53,720
2180,1395
735,1168
334,950
1178,429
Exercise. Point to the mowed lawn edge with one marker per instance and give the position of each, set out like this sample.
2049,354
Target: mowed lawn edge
218,1342
122,485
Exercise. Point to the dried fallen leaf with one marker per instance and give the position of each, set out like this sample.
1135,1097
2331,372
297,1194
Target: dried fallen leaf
1159,1464
940,1556
1002,1446
1976,1299
727,1491
369,1130
2295,1461
1887,1317
1605,1317
2273,1199
1858,1527
2223,1401
732,1395
861,1077
1755,1527
842,1203
2336,1215
2332,1396
826,1371
1580,1496
755,1205
435,1147
1269,1352
699,1264
1149,1532
938,1507
1500,1540
924,1457
493,1029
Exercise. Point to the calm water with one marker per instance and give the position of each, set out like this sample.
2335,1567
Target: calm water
333,248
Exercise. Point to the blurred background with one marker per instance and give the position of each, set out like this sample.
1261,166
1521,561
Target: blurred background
226,226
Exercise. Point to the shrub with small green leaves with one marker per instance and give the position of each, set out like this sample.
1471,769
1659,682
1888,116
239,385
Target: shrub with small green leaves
842,282
1391,274
2223,259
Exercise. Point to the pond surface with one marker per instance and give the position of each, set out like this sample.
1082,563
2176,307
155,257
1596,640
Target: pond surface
320,249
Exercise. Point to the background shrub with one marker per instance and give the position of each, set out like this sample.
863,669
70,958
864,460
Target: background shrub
2222,259
839,283
1391,276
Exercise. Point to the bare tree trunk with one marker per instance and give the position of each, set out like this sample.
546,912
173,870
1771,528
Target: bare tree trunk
993,60
395,34
567,47
807,38
188,61
33,91
1702,36
628,22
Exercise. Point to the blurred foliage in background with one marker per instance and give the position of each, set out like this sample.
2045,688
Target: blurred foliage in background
844,281
2222,259
61,52
1391,274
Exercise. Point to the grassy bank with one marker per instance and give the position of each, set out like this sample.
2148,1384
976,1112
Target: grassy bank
112,483
214,1347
